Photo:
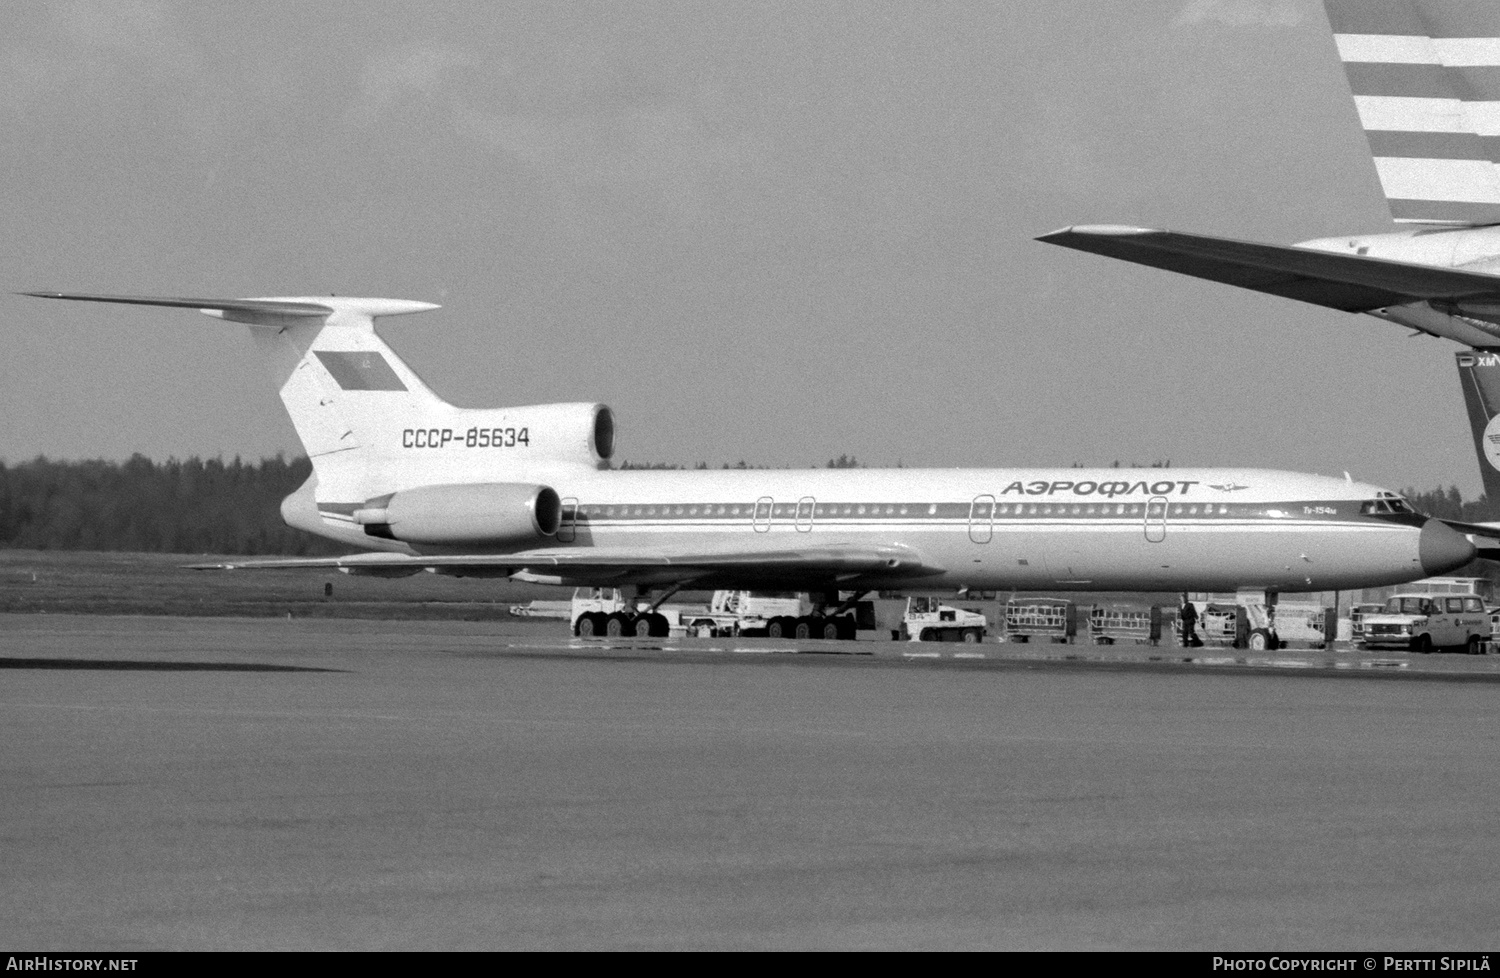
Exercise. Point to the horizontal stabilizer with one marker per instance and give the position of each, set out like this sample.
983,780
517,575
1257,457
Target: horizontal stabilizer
269,307
276,312
1352,283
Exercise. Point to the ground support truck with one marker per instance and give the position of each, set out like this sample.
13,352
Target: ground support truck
1245,620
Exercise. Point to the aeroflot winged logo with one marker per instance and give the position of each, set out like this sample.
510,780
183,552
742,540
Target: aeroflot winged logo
1492,442
1227,486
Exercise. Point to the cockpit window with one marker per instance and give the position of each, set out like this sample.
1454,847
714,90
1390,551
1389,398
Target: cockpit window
1387,504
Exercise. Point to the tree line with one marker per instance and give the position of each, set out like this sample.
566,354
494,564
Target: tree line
177,506
212,506
1449,504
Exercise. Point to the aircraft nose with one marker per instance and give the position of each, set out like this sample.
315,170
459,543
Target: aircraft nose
1441,548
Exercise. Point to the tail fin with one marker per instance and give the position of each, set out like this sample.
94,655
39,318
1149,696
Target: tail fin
1479,373
341,384
338,379
374,431
1425,75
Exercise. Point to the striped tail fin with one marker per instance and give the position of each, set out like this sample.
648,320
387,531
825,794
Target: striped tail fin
1425,75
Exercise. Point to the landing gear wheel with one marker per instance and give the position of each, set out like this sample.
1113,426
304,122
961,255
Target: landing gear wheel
830,629
778,627
846,628
803,628
659,626
617,625
589,625
641,627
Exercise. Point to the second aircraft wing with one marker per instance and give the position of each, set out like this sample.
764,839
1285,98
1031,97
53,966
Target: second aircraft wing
1352,283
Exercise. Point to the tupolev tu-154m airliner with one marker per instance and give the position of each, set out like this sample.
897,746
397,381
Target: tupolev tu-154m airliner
523,493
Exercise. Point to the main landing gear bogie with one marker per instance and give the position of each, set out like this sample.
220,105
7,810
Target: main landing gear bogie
839,627
596,624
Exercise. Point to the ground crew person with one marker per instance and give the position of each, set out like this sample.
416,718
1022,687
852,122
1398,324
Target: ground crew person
1189,618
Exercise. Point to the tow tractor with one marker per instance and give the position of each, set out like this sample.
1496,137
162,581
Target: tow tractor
927,619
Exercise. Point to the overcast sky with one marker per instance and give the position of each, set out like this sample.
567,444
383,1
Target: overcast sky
766,231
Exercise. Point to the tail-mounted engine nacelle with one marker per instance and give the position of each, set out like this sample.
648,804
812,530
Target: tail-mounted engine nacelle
580,433
494,513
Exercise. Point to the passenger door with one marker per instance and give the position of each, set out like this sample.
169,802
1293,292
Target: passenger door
762,518
1156,519
982,519
805,507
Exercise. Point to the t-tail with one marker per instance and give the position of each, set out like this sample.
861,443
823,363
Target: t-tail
393,463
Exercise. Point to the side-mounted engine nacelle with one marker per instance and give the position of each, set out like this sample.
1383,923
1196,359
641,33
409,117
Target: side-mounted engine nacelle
492,514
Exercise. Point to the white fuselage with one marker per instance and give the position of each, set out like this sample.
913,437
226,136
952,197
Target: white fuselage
1063,529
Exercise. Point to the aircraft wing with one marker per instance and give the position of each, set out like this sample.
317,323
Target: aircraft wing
827,564
1353,283
1484,536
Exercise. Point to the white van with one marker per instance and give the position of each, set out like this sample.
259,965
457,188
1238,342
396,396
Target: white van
1423,622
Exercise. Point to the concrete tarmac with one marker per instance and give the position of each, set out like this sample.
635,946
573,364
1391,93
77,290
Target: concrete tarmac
179,783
